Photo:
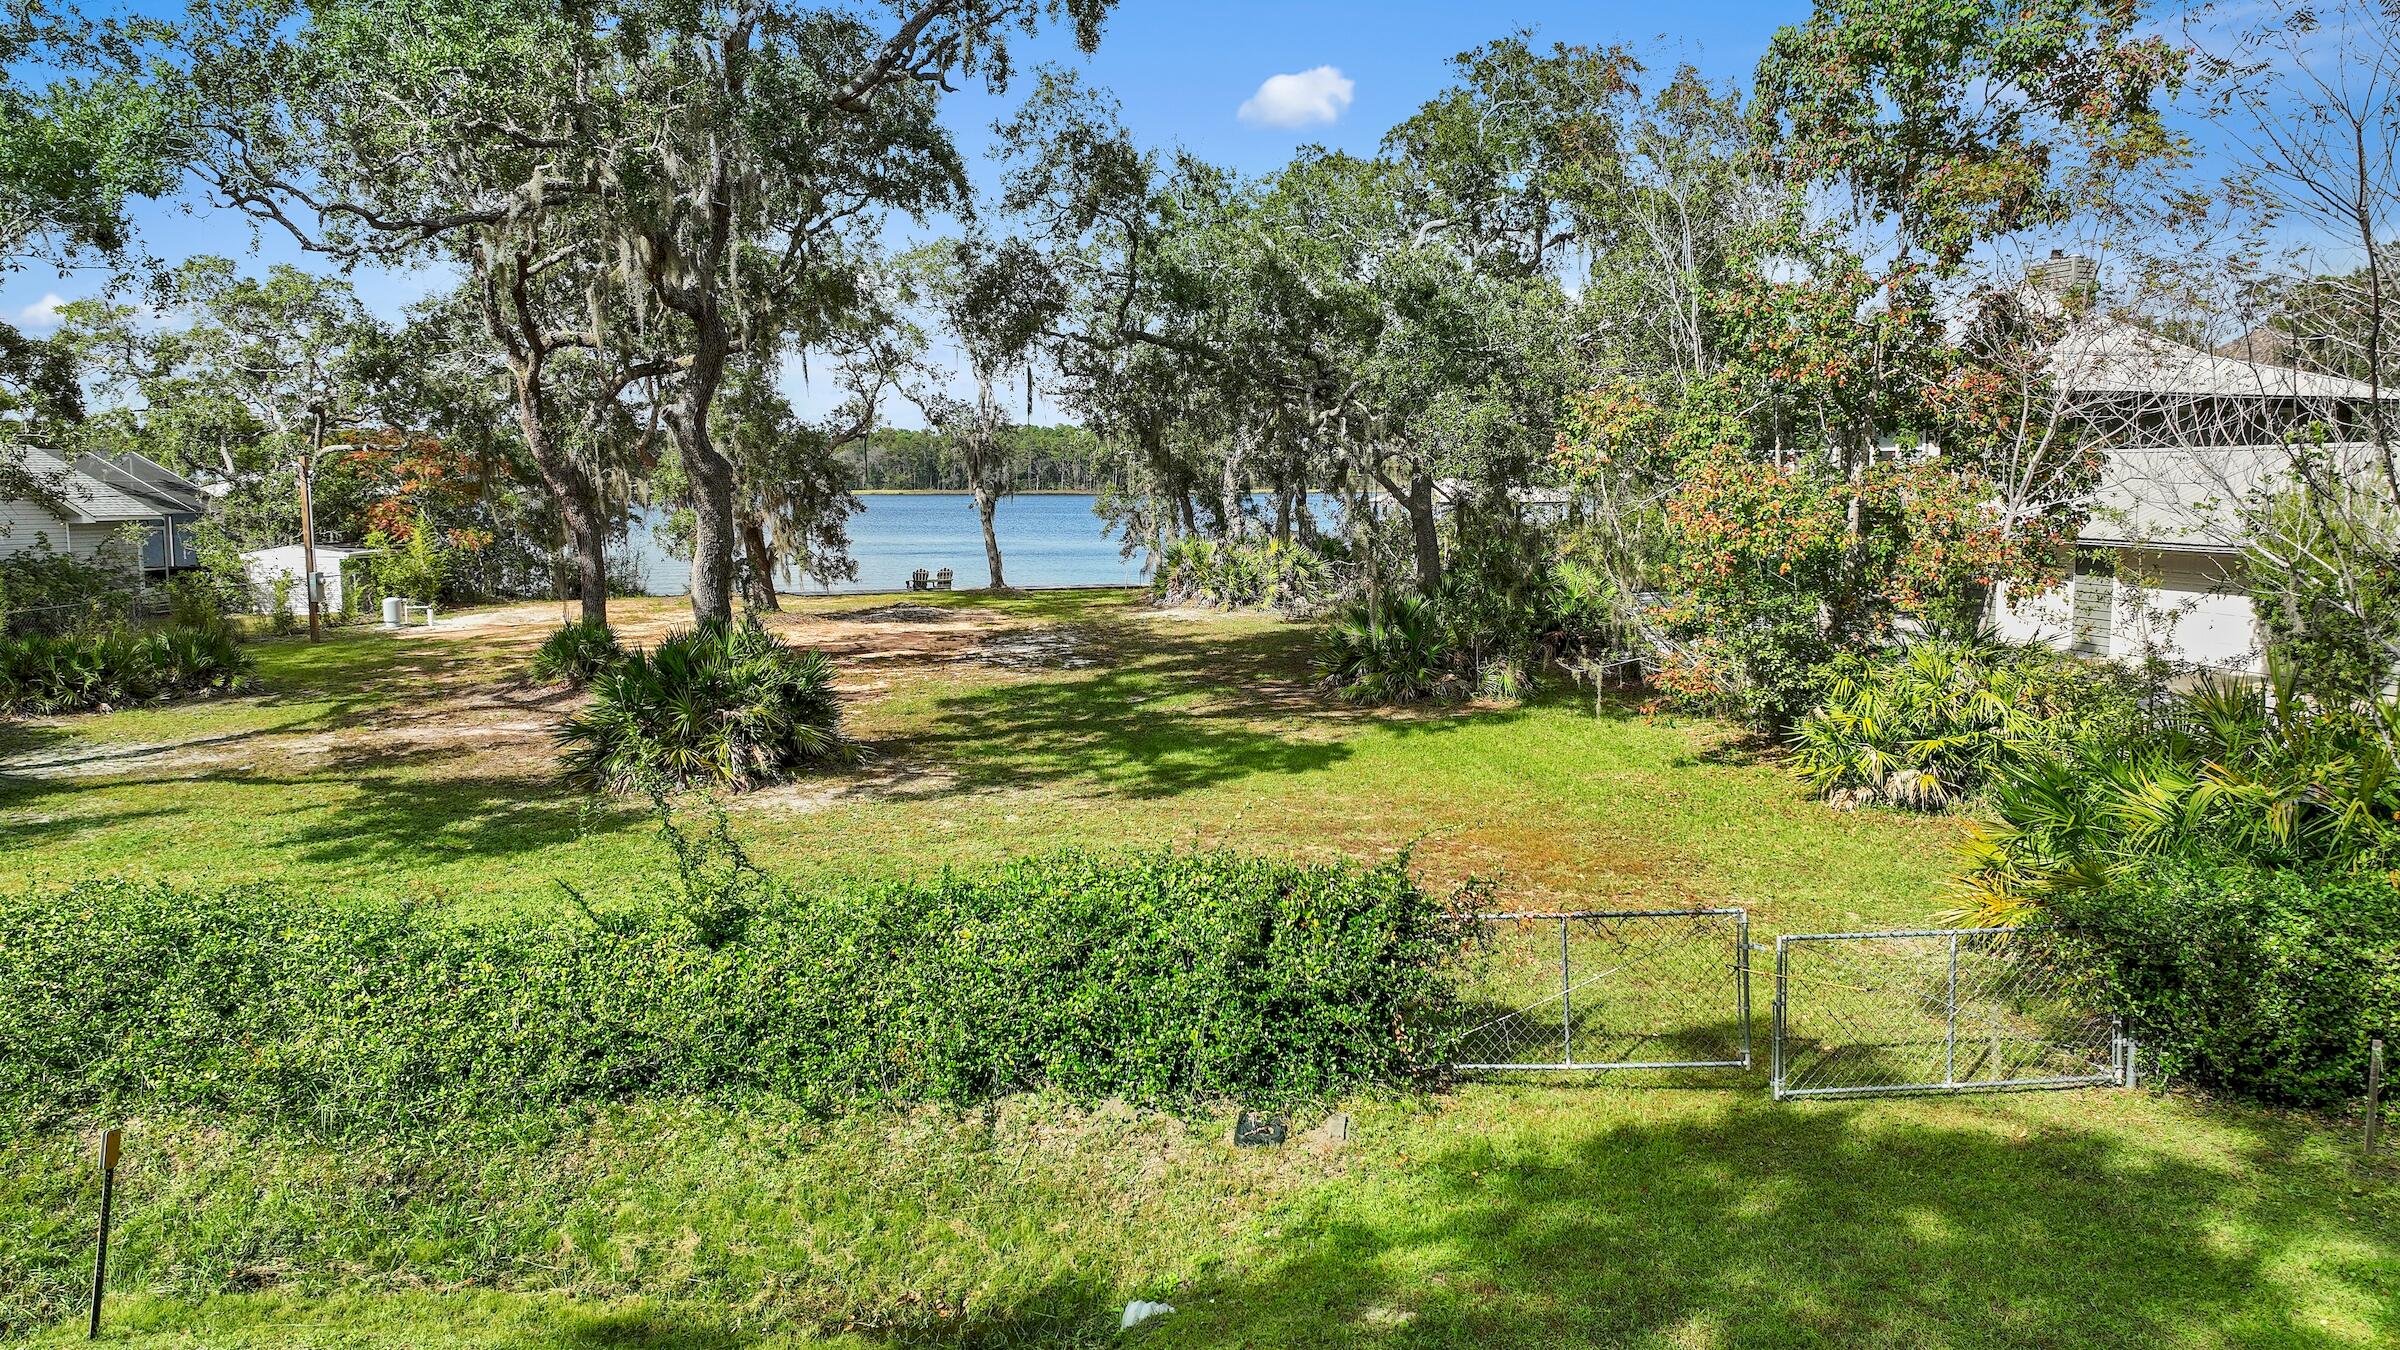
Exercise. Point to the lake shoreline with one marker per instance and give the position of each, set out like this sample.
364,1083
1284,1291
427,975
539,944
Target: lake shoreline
1048,538
962,492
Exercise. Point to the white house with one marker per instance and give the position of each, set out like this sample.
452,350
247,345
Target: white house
179,501
2193,436
90,512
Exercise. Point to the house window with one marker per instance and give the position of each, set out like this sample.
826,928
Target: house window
2094,597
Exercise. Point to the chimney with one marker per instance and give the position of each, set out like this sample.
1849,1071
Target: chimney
2064,275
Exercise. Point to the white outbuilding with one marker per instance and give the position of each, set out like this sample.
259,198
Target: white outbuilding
265,565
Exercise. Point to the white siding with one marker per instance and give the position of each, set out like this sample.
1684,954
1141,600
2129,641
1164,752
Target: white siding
2045,618
29,526
266,562
2188,607
90,539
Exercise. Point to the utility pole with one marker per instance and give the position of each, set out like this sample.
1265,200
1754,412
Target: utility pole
308,515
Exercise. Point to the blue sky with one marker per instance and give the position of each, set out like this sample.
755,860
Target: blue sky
1183,72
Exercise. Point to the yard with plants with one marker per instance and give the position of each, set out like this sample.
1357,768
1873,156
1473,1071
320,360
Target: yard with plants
397,798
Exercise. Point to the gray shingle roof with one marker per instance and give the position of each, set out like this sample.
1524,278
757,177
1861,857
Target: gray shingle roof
2105,356
90,500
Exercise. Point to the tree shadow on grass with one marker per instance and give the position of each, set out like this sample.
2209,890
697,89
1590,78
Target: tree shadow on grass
1165,710
1812,1226
1108,731
398,819
1754,1224
22,740
401,815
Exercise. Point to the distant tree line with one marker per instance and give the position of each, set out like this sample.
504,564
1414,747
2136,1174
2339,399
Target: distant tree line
1033,459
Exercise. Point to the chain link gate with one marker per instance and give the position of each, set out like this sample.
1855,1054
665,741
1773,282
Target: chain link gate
1592,989
1933,1010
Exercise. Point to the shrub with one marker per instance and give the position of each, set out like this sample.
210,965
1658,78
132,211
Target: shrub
42,591
1393,652
1500,619
1762,672
576,654
720,705
281,621
223,569
45,675
1927,724
421,567
1293,579
2226,771
193,602
2264,981
1157,977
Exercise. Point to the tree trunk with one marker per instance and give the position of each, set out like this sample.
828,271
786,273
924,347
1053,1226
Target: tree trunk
1230,518
1360,518
975,459
711,476
758,588
1849,618
571,488
1283,519
1423,523
986,502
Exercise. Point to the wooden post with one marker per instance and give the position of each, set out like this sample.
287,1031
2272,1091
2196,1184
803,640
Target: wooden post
111,1143
308,517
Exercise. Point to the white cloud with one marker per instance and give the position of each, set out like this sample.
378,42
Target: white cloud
42,313
1319,95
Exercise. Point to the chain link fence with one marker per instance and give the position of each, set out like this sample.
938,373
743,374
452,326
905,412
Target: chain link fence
1936,1010
1649,989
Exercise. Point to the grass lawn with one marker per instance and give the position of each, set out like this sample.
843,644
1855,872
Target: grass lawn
1645,1210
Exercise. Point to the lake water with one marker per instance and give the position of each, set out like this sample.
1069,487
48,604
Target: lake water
1044,541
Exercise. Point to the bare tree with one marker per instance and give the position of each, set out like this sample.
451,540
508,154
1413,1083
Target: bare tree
2309,93
2290,430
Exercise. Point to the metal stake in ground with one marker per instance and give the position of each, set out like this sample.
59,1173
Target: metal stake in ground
2374,1091
111,1143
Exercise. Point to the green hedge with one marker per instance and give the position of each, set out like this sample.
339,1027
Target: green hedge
1157,977
2267,982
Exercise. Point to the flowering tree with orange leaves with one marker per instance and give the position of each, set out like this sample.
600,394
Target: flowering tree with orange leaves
389,480
1824,487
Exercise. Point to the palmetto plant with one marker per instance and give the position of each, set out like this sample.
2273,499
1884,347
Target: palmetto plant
1242,574
1928,724
2227,769
1392,652
44,674
721,705
576,653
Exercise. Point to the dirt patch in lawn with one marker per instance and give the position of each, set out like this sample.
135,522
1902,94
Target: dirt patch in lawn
872,635
485,719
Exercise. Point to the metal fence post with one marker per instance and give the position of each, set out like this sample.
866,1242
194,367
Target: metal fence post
1741,975
1950,1024
1783,958
1566,998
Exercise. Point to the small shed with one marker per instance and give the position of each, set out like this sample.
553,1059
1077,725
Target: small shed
266,564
